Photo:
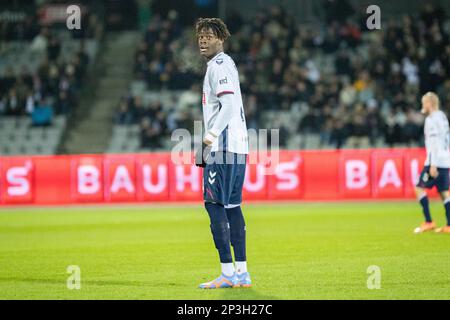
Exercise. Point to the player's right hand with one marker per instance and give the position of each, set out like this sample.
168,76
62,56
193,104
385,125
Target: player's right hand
202,154
434,172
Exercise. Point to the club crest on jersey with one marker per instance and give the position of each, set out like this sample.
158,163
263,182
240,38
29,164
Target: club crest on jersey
219,61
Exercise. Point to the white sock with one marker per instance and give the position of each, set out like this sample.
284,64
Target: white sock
241,267
227,269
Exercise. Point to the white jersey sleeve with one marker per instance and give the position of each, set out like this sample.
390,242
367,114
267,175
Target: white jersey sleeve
436,131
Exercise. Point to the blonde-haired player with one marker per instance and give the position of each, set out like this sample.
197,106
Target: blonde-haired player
437,163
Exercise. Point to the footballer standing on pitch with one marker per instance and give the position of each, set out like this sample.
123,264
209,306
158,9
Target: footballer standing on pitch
223,154
437,163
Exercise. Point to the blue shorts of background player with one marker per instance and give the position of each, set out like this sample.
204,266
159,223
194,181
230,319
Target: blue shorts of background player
223,178
441,182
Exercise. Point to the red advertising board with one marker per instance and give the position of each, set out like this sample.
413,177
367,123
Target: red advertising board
154,177
17,180
355,173
86,179
388,174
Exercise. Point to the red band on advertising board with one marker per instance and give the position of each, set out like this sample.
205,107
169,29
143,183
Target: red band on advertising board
153,177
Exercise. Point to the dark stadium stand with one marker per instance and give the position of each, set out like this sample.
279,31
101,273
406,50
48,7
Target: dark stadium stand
42,69
325,84
329,86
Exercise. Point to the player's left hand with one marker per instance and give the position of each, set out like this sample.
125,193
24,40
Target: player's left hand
433,172
202,154
207,142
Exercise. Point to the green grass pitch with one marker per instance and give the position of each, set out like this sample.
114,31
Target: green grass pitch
295,251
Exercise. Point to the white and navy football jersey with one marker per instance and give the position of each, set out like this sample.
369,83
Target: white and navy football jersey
222,78
437,140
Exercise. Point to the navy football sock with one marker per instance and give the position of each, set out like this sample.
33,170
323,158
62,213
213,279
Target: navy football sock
220,230
447,210
237,232
426,208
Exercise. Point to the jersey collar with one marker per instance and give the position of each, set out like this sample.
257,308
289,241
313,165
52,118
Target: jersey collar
214,58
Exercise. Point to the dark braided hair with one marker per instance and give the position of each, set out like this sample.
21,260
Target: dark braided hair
218,27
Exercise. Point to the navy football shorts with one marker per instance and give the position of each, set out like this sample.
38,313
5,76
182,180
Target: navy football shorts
441,181
223,178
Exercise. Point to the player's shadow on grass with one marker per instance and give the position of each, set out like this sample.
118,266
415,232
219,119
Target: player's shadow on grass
84,282
226,294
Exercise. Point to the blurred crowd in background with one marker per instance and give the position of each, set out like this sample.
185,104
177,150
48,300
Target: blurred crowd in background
349,83
52,88
332,78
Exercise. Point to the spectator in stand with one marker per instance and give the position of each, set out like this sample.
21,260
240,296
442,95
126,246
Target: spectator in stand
137,109
125,116
53,48
152,130
338,134
13,103
42,114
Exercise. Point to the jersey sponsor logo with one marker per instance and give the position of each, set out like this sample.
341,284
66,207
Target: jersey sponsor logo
223,81
219,61
204,99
